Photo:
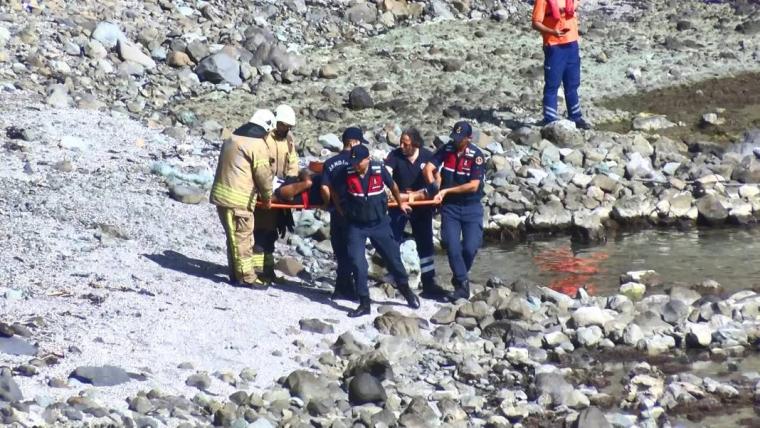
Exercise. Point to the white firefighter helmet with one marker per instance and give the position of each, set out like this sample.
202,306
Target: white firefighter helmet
264,118
285,114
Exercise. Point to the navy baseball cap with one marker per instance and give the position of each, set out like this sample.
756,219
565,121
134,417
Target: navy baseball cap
359,153
461,130
353,133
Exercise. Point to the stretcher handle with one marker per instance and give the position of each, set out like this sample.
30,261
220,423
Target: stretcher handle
283,206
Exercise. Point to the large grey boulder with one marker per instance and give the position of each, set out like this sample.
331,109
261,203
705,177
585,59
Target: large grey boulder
748,171
552,215
220,67
365,13
365,388
712,210
360,99
306,385
563,133
100,376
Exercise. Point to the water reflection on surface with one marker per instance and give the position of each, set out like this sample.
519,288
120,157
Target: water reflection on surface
729,256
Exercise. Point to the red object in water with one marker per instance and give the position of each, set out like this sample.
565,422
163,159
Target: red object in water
579,270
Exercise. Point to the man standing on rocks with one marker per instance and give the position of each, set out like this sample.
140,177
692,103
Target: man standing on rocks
242,172
283,161
344,279
460,179
406,165
364,204
558,26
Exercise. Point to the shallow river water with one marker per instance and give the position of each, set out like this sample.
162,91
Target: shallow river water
729,256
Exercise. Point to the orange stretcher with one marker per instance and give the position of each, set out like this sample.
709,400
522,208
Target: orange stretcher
284,206
317,167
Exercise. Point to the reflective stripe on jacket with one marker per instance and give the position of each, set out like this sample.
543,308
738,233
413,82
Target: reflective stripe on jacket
242,172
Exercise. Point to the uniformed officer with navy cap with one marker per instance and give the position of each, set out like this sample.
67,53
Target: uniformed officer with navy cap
458,167
344,278
364,204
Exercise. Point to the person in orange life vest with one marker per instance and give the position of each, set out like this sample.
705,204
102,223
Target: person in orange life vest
364,204
558,24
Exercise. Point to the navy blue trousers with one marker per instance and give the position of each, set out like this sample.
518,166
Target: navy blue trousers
421,220
338,239
461,236
562,66
382,239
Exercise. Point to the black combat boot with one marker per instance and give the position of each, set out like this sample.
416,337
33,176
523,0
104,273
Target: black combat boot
461,291
411,298
364,308
432,291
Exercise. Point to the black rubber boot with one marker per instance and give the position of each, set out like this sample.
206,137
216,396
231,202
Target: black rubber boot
364,308
461,291
411,298
432,291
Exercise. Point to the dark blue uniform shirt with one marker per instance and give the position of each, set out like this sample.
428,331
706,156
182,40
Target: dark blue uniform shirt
331,168
363,199
407,175
460,168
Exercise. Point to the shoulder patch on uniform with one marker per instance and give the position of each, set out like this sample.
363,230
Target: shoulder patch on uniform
479,160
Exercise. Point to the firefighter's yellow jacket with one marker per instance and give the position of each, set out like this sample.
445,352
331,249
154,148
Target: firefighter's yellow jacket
243,170
282,156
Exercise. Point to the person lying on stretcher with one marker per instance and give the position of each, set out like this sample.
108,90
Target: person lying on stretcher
302,190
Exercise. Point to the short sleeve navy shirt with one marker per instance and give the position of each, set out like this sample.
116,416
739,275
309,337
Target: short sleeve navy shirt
408,175
459,168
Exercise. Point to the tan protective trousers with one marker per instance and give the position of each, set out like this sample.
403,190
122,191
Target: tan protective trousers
238,227
265,236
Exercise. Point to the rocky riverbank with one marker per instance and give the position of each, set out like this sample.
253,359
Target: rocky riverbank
114,306
174,66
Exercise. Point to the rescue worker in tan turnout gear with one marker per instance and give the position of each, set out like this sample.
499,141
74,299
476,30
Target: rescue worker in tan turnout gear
242,172
283,160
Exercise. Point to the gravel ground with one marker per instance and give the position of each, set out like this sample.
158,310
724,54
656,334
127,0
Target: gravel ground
160,309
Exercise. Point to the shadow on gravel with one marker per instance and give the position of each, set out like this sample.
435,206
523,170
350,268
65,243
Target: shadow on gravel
312,293
319,295
181,263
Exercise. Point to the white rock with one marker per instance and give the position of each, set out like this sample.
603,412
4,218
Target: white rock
582,180
589,336
509,220
517,355
651,123
130,52
331,141
749,191
5,36
555,338
632,334
658,344
591,315
95,50
108,34
698,334
74,143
